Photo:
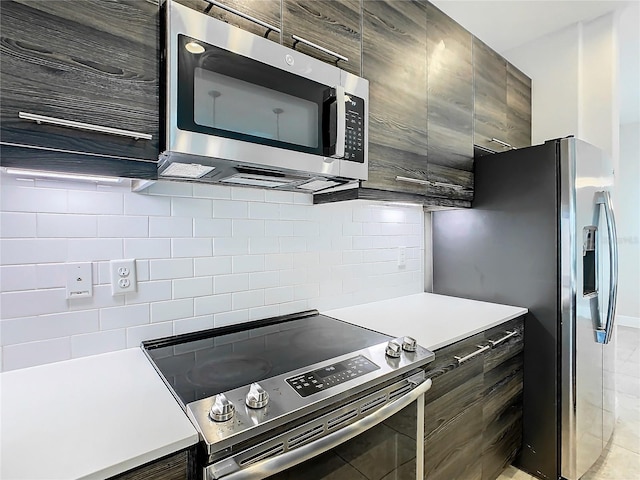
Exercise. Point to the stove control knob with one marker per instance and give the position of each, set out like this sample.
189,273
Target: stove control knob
409,344
257,396
393,349
222,409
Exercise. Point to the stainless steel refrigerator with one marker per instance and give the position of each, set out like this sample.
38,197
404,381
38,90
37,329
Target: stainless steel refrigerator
541,234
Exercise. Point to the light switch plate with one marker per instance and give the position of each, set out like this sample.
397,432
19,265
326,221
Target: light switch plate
123,276
79,280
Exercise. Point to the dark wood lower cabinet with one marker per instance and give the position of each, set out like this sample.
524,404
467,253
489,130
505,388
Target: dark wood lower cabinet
473,411
177,466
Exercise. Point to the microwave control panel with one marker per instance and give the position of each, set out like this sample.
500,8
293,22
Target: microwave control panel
354,141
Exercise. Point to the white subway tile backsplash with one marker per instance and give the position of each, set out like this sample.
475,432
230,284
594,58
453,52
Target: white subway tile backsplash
264,211
212,266
17,225
171,310
230,246
278,295
230,209
264,280
25,355
231,283
248,263
171,227
138,204
212,304
17,277
22,199
192,287
109,203
212,227
122,227
66,226
205,255
86,250
98,342
31,329
32,250
147,248
191,207
172,268
211,191
123,317
191,247
135,335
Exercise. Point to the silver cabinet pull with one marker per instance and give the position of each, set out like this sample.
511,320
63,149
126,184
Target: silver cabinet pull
318,47
61,122
509,334
428,183
268,26
504,144
481,348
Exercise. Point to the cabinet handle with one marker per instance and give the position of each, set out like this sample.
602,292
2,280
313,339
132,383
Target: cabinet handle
481,348
495,343
83,126
318,47
268,26
504,144
428,183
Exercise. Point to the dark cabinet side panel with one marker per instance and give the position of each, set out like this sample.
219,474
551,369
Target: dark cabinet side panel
265,10
87,61
490,97
450,101
394,62
177,466
332,24
518,107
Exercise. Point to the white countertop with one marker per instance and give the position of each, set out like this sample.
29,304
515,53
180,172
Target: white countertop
433,320
88,418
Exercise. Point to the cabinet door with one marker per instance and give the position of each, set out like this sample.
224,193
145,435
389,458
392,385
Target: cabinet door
453,414
264,10
502,398
490,98
88,61
177,466
394,62
518,107
450,102
331,24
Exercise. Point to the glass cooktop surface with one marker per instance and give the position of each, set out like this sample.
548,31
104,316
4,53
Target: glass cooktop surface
206,363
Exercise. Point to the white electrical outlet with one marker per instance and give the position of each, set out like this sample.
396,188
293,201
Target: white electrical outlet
123,276
402,257
79,280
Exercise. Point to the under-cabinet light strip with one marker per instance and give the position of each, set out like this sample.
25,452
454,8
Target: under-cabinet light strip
61,176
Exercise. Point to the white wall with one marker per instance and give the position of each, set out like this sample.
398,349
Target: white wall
628,220
206,256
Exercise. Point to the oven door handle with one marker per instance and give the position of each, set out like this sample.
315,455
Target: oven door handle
291,458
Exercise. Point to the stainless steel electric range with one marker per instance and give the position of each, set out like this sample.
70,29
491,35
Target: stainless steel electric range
299,392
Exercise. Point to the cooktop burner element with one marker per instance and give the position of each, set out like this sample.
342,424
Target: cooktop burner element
216,374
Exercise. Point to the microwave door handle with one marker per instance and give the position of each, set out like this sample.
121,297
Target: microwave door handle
604,198
341,123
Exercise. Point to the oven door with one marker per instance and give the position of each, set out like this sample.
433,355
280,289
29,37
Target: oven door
388,443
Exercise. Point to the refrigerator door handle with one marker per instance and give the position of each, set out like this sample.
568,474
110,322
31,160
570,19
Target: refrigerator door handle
604,198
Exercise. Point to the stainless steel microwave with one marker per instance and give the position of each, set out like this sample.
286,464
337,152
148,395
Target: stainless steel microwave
243,110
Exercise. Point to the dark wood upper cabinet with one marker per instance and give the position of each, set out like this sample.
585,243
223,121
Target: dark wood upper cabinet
394,38
89,61
450,106
330,24
267,11
518,108
502,102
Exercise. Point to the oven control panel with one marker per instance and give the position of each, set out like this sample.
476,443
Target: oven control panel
318,380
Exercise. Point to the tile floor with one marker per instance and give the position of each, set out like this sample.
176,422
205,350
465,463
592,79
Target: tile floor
621,459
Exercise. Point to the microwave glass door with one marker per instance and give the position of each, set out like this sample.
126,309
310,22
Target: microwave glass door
225,94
